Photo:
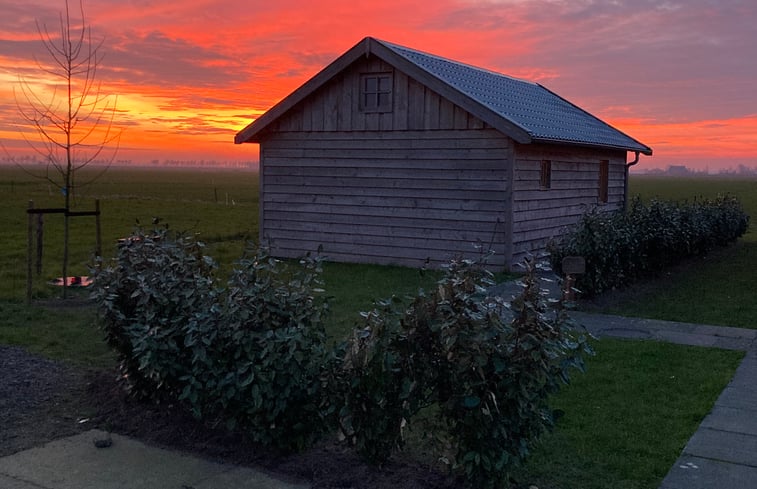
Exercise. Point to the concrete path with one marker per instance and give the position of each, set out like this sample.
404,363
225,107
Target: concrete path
723,451
76,463
672,332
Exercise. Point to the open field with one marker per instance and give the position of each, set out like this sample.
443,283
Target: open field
221,206
627,418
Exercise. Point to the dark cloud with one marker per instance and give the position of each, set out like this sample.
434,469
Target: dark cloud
157,60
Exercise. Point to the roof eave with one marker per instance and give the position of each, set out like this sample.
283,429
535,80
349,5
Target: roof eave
641,148
251,131
374,46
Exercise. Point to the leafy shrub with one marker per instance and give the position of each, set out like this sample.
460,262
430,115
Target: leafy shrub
487,370
250,355
620,247
274,344
147,299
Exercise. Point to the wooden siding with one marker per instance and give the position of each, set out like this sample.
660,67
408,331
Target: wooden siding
399,197
336,107
425,181
541,214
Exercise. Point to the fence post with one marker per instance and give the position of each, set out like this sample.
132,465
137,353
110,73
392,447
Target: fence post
29,251
40,242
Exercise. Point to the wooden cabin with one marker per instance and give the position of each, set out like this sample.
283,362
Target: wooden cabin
394,156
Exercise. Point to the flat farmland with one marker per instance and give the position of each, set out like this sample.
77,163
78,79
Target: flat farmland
219,206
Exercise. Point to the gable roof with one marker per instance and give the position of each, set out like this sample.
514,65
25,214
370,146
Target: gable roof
525,111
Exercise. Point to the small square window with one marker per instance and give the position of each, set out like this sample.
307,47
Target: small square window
545,176
376,92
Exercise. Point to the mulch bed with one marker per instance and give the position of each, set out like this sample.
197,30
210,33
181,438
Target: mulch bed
42,400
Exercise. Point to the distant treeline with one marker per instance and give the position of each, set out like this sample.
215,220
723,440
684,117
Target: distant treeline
34,161
683,171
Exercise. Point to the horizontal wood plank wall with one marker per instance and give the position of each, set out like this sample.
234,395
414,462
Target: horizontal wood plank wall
389,197
541,214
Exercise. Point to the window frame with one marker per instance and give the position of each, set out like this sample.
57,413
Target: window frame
603,196
371,98
545,175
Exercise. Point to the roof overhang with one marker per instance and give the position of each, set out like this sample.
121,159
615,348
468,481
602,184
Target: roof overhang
641,148
370,46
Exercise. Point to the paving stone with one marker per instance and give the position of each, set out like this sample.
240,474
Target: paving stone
736,448
740,397
244,477
11,483
732,419
700,473
749,334
75,463
684,338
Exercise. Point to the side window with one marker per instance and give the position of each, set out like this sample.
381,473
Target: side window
376,92
604,180
545,176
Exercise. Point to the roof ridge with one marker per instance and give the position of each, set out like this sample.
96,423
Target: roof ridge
523,110
394,46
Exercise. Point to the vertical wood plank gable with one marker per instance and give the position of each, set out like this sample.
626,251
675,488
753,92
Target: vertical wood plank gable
336,106
400,113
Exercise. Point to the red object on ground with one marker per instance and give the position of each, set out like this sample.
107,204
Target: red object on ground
75,281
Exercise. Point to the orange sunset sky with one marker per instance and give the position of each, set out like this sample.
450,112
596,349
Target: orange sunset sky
679,76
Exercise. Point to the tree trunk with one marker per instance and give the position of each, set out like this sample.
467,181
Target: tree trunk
66,222
65,255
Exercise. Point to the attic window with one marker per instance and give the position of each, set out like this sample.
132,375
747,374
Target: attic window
376,92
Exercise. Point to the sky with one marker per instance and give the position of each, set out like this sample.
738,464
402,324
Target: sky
678,76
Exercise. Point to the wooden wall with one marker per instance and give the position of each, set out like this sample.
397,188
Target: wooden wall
425,181
399,197
335,107
541,214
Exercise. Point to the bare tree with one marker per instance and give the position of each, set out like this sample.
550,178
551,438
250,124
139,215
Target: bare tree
73,122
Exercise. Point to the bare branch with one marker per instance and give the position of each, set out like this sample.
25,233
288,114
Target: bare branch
71,116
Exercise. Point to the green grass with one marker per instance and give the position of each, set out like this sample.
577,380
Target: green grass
717,289
186,200
627,418
66,334
354,288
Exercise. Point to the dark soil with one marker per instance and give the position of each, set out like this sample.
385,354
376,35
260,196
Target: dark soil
41,400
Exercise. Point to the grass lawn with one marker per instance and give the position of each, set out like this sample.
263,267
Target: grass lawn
718,289
627,418
630,415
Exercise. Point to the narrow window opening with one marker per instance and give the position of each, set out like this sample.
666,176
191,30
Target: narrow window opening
376,92
604,180
545,176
